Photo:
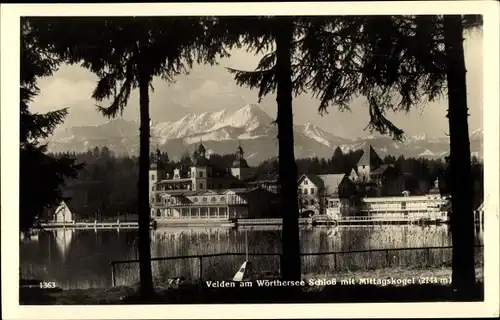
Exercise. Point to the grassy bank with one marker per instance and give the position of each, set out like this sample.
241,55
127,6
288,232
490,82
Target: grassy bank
355,291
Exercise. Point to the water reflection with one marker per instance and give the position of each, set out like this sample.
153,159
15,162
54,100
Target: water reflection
63,239
80,258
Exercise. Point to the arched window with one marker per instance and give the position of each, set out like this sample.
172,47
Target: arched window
195,199
204,199
222,198
213,199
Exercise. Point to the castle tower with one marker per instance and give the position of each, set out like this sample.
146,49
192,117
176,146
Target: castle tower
201,169
240,167
368,162
156,171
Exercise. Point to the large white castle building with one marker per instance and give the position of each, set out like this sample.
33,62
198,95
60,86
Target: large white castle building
203,191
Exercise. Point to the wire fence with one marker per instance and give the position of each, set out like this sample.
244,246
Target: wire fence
223,266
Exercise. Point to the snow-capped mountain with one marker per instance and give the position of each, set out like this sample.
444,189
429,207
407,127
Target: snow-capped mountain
427,153
316,133
215,125
477,134
221,132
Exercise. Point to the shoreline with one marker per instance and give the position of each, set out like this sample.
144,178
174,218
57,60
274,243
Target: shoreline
240,223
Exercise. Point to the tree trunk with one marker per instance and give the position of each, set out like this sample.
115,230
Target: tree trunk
287,180
462,217
144,241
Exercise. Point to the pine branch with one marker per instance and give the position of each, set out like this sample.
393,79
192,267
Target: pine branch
39,126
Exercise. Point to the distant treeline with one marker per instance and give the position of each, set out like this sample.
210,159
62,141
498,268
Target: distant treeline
106,187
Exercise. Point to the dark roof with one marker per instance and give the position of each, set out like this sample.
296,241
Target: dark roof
239,149
240,163
385,169
332,181
201,148
369,157
273,177
201,162
381,169
315,179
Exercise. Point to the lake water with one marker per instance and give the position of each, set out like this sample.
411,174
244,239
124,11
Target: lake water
80,258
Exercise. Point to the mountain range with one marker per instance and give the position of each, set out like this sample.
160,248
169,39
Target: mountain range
250,126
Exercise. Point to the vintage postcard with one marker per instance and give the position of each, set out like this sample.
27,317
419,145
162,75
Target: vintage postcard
216,159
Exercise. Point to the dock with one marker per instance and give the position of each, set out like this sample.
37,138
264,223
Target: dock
269,222
224,223
93,225
358,220
347,220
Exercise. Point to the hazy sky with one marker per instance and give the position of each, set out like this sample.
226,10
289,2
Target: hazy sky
209,88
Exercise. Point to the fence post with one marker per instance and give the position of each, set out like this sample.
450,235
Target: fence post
387,260
201,268
428,257
113,274
281,264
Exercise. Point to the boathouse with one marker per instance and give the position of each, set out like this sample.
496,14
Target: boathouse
63,214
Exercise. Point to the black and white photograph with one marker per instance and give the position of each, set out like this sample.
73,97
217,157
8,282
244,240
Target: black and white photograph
301,154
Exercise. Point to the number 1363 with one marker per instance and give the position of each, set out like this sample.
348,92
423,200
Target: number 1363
47,285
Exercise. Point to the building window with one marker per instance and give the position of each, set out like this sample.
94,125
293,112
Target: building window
152,177
305,191
213,199
403,205
201,185
201,174
195,199
312,202
204,199
312,190
305,181
222,199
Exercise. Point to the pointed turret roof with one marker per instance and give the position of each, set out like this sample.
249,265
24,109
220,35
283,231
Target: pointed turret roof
369,157
240,162
201,160
201,148
240,149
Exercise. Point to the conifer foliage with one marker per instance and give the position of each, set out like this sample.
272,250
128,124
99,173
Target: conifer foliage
42,177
